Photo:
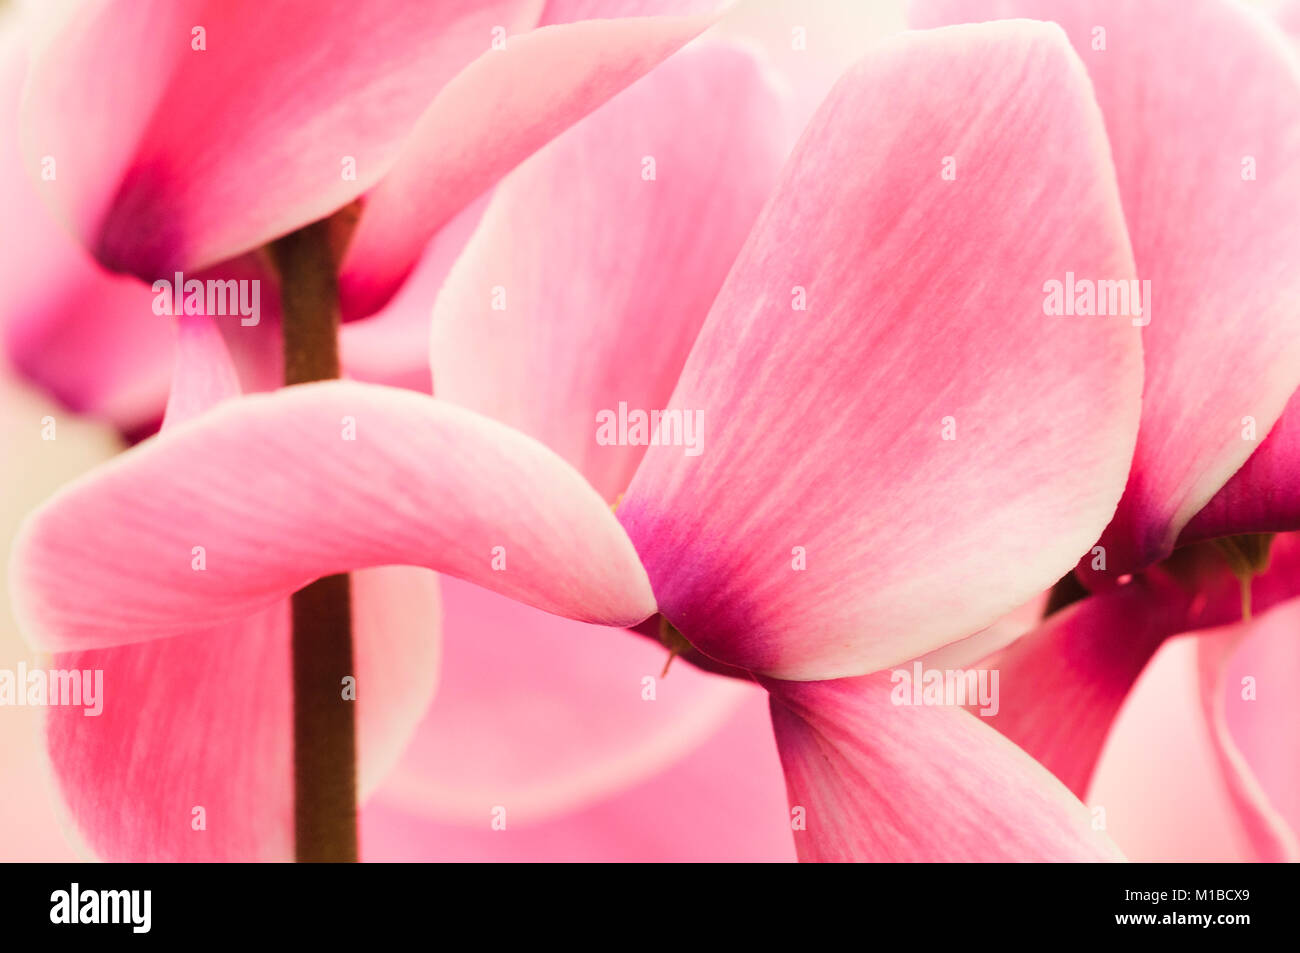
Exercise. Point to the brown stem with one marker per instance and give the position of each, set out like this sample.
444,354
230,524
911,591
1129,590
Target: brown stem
324,723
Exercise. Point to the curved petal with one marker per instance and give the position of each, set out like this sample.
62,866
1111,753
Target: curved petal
1202,107
1264,495
192,162
1158,783
587,282
187,752
494,114
1063,685
1264,729
544,715
887,782
269,492
1272,639
830,526
725,802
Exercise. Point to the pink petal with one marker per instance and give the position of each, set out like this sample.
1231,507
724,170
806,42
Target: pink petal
189,755
810,45
545,715
1271,833
278,495
392,346
1265,729
171,158
1264,495
823,429
204,720
205,375
1189,90
1063,685
725,801
607,276
890,782
88,338
498,111
1158,782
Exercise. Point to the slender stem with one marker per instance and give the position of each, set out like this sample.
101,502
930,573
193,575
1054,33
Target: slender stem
324,723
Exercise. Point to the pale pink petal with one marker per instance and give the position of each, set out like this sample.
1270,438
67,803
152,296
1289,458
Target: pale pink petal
586,282
1268,831
545,715
967,652
88,338
1202,107
494,114
284,488
174,157
811,44
1264,495
723,802
1158,786
879,781
828,527
1265,728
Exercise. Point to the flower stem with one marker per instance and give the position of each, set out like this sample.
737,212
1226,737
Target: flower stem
324,723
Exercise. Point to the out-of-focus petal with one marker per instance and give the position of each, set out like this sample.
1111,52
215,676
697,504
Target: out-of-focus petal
1287,15
229,513
543,715
921,448
173,157
567,11
495,113
30,829
1202,107
587,281
879,781
88,338
725,801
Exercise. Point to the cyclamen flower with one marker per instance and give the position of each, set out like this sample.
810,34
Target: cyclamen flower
1202,108
180,137
911,540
